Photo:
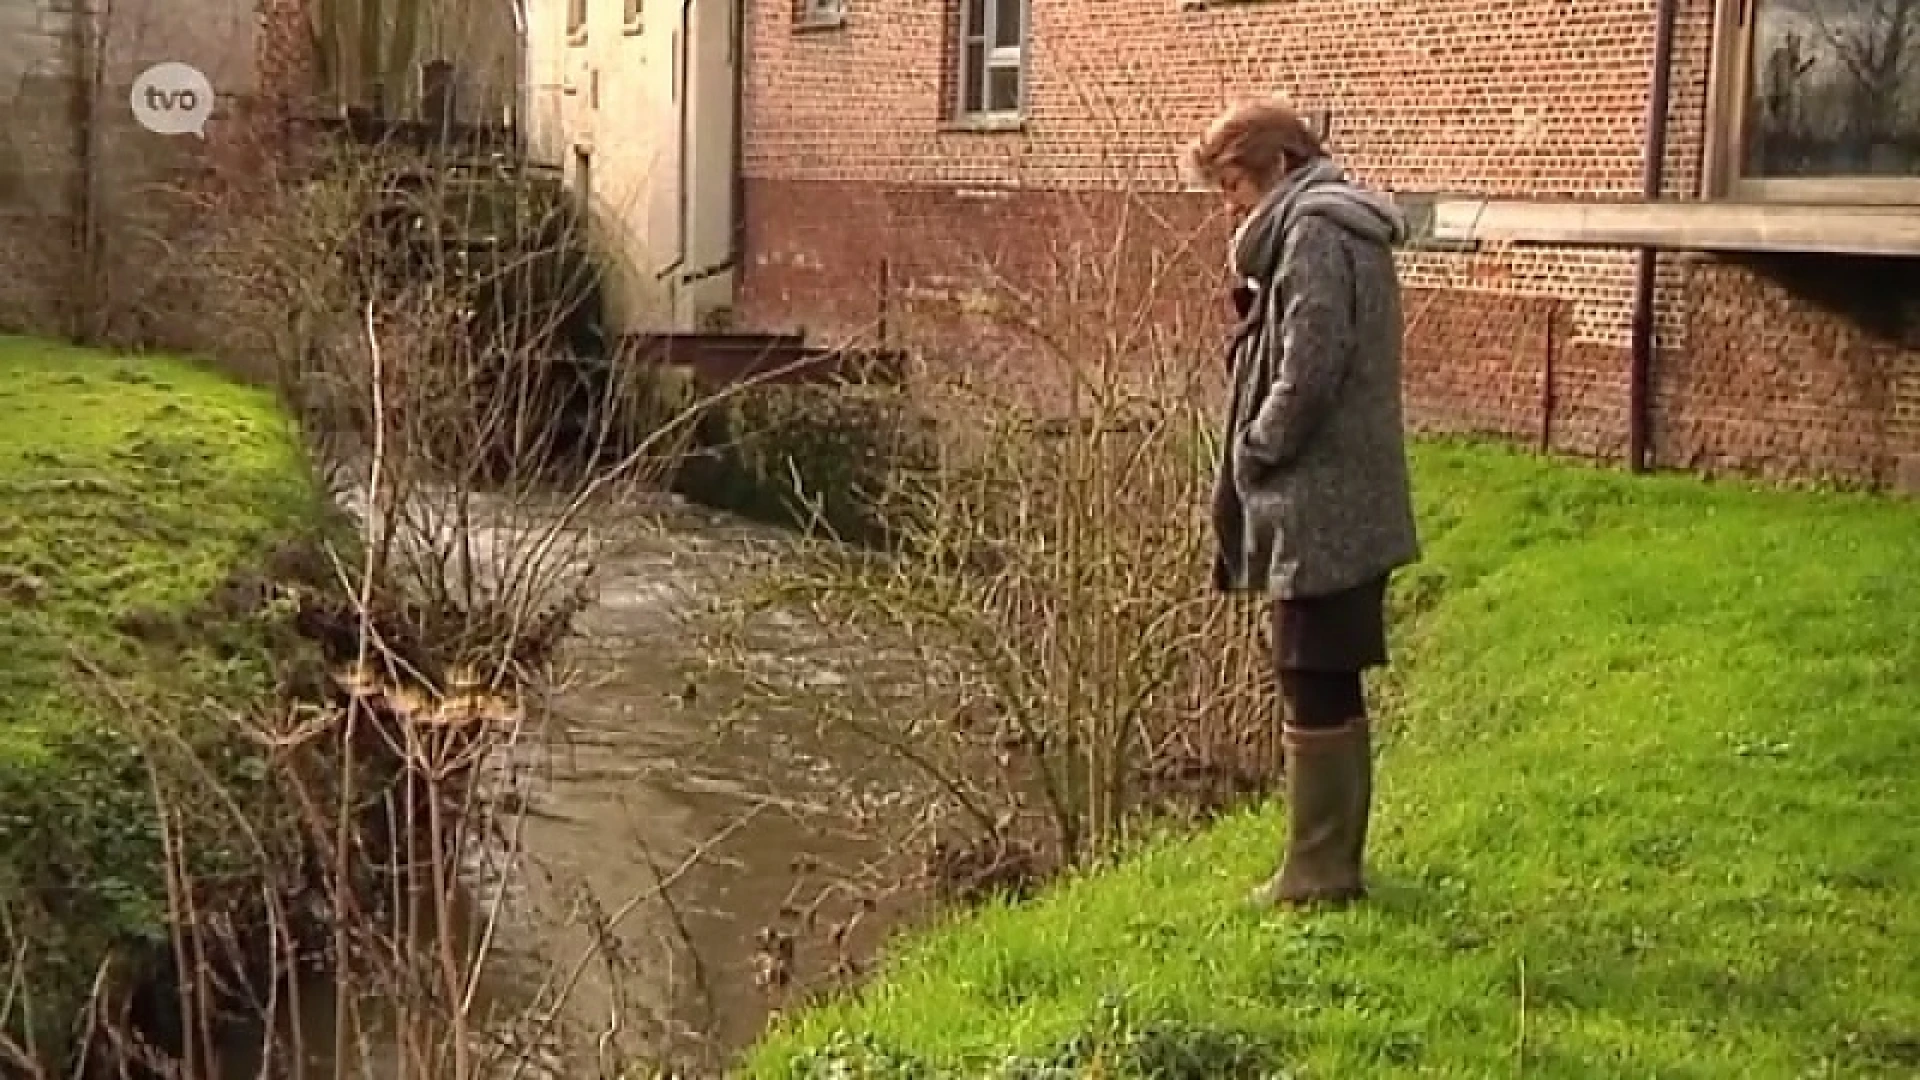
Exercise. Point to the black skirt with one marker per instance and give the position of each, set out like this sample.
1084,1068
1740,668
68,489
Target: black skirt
1338,632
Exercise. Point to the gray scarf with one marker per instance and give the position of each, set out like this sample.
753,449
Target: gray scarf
1319,187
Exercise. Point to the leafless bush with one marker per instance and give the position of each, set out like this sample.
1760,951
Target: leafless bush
1049,583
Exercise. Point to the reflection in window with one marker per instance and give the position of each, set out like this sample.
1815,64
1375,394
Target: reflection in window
822,11
992,56
1834,89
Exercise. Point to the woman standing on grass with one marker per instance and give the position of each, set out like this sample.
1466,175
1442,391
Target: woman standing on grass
1312,506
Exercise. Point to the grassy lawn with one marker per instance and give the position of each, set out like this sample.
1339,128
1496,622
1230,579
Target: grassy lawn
1649,806
131,490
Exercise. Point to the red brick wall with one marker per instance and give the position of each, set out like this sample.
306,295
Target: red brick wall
285,55
1774,386
851,163
1540,96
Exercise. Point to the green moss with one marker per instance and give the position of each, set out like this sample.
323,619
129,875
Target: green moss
131,491
826,457
1646,808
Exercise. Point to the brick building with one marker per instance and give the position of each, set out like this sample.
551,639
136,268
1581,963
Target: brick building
1729,283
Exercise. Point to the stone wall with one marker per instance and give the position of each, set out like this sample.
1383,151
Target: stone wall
39,162
96,213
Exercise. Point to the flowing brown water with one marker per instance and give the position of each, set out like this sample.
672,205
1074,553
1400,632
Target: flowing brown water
648,772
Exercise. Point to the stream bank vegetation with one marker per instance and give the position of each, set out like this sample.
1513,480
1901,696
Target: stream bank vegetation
1643,810
1042,572
144,502
260,744
282,699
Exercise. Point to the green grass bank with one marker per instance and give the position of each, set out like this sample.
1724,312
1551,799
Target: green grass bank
1647,807
133,493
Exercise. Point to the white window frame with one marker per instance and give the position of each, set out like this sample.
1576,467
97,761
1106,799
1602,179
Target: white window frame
1736,27
577,16
634,17
998,58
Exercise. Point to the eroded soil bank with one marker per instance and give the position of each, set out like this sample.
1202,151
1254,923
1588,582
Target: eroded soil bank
134,493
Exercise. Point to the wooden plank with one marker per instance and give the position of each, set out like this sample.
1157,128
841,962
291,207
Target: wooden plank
1686,226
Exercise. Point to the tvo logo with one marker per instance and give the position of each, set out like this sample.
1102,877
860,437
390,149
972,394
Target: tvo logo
172,99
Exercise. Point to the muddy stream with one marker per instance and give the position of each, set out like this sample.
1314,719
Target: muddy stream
650,769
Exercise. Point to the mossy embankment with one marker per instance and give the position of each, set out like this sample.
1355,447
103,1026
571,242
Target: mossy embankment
824,457
1646,808
136,496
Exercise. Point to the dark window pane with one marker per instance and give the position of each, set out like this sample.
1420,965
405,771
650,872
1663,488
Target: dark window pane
1003,89
973,78
1834,89
975,18
1006,22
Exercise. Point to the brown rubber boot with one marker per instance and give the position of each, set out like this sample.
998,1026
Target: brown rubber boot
1329,799
1363,797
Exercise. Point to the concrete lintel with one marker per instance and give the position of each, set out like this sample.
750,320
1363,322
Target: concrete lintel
1680,226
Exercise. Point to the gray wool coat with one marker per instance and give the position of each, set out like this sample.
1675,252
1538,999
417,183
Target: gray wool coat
1313,494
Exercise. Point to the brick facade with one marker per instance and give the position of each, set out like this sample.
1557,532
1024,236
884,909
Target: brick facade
851,163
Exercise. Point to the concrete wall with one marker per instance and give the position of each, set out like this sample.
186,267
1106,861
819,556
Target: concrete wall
65,144
39,161
853,161
609,97
479,37
704,300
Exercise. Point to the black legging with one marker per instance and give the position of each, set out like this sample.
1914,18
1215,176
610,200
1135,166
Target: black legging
1318,700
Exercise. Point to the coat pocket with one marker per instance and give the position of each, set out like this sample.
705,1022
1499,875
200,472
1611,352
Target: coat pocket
1252,474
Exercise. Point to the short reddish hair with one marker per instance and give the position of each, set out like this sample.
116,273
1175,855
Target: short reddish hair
1263,137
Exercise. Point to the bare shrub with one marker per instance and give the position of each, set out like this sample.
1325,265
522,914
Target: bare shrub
1048,575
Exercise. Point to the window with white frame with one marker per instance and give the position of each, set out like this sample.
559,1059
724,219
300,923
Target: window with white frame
634,18
1821,100
992,57
576,19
